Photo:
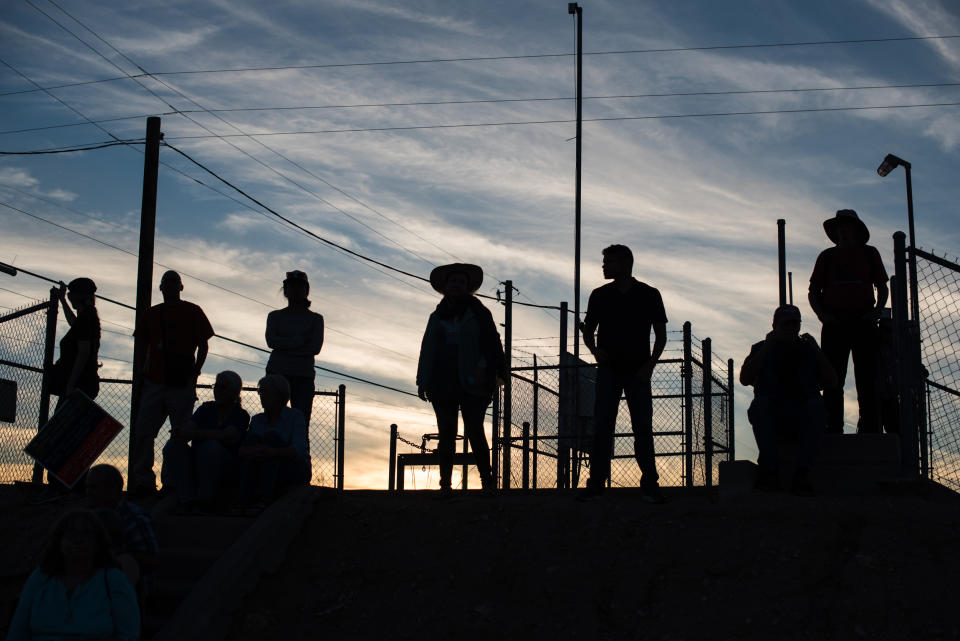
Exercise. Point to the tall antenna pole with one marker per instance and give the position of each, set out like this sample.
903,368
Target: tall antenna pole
574,9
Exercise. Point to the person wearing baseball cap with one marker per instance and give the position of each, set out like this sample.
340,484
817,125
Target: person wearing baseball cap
842,296
787,372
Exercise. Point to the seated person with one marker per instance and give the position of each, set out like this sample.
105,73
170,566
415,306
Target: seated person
275,453
787,372
202,453
76,593
105,490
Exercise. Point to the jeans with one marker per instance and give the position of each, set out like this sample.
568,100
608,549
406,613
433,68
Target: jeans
197,469
610,386
157,402
838,340
473,409
301,394
265,479
806,419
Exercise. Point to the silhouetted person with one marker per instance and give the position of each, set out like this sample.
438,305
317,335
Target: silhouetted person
842,295
77,366
174,330
295,334
114,527
622,314
275,453
77,592
105,490
202,454
461,358
787,372
888,396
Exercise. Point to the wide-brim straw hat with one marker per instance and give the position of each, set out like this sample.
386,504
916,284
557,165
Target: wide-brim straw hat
830,225
439,275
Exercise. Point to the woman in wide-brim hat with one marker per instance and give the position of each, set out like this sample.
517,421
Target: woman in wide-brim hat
461,365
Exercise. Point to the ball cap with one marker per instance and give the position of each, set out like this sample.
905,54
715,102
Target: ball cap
82,287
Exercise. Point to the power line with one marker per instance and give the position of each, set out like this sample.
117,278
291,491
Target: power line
567,121
235,341
686,94
123,143
259,142
482,59
197,278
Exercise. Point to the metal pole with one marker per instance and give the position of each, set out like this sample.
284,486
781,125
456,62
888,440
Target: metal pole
526,455
688,404
341,432
563,420
391,482
536,417
731,441
905,369
495,437
574,9
914,300
790,285
148,223
707,413
507,384
465,470
782,259
49,341
921,405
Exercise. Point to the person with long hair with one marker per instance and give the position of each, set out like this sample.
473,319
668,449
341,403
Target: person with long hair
202,453
295,334
78,592
461,360
77,366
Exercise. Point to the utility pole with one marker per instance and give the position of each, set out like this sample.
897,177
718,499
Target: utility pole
782,259
574,9
148,223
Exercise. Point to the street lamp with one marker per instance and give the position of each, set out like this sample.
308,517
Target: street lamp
891,162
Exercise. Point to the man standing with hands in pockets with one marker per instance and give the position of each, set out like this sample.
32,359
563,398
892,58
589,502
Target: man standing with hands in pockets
621,314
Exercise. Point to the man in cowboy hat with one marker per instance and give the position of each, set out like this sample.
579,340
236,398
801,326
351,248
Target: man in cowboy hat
622,313
842,295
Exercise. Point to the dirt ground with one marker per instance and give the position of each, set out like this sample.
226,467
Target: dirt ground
371,565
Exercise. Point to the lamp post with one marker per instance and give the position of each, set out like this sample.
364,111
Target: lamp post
890,163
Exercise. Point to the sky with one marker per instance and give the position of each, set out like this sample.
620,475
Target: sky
696,196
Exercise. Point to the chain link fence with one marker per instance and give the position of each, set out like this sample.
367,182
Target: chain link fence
27,337
535,447
938,281
23,333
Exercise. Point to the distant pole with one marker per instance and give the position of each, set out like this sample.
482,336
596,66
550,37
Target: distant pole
148,224
782,259
790,285
507,408
393,458
574,9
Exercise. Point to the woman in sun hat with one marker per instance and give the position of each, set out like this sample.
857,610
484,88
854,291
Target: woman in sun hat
461,365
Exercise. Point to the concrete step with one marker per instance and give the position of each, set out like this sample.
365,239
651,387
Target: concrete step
194,531
186,562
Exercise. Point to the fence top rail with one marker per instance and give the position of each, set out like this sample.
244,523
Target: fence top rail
530,368
20,366
245,388
943,262
17,313
942,388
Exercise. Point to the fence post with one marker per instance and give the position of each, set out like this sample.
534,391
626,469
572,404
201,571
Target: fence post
495,436
707,412
391,482
905,369
50,340
563,420
731,441
341,432
688,405
536,417
507,384
465,470
526,455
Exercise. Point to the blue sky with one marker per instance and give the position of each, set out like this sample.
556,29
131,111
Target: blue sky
697,198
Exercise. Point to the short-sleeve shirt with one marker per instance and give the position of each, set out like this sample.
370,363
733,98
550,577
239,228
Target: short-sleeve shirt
185,327
846,276
86,327
206,418
624,321
291,429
